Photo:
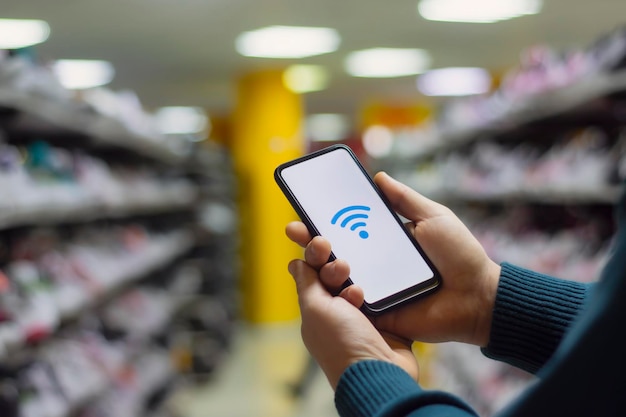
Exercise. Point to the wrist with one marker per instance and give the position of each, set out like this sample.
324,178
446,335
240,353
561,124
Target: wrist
487,301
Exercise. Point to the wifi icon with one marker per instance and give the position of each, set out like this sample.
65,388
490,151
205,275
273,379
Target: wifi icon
353,216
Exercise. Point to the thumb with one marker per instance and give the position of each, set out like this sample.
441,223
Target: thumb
406,201
308,285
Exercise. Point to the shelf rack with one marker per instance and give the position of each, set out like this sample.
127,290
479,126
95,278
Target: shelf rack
65,122
96,130
531,110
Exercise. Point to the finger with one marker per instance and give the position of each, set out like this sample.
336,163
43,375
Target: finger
354,295
334,275
297,232
308,286
317,252
406,201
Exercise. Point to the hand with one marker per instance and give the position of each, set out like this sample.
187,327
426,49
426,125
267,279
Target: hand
461,310
334,330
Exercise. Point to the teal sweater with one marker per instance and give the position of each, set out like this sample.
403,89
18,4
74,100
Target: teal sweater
570,334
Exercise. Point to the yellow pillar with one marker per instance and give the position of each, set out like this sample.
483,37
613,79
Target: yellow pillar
267,130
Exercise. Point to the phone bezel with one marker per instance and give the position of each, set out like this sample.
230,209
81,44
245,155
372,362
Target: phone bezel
391,301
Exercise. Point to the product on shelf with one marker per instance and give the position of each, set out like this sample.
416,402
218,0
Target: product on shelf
545,85
107,118
53,185
487,385
578,167
575,253
49,279
86,372
528,91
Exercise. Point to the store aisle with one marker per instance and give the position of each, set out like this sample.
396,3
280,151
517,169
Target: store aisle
257,377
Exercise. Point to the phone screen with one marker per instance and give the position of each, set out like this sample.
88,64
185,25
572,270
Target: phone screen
337,198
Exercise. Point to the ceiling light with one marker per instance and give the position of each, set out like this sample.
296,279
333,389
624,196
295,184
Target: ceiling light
387,62
83,73
454,82
181,120
20,33
327,127
306,78
477,11
287,42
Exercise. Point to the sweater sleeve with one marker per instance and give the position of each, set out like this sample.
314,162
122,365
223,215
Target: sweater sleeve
377,388
531,314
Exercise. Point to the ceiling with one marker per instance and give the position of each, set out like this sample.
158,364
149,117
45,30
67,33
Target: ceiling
181,52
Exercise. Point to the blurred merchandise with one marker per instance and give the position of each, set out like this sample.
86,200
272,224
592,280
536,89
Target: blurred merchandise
545,85
53,184
117,252
50,278
487,385
583,165
575,253
105,118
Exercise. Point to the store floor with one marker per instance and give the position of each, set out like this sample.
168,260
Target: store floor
257,378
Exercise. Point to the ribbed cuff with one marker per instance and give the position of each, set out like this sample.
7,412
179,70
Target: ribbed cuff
377,388
531,314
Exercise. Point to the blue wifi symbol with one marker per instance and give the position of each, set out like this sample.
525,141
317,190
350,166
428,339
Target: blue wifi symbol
354,218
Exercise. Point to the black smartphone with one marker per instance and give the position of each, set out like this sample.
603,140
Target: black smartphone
336,198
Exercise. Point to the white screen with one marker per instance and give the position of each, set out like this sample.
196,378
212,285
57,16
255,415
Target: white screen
383,261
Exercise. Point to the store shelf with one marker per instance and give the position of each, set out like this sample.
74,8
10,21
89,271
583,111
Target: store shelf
156,256
152,370
608,195
69,161
82,212
159,308
97,130
110,133
534,109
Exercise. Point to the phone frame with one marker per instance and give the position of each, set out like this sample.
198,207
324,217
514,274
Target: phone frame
395,300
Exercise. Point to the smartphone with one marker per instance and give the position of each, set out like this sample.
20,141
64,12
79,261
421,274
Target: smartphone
336,198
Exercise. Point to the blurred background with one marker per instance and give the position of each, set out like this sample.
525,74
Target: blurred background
142,249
